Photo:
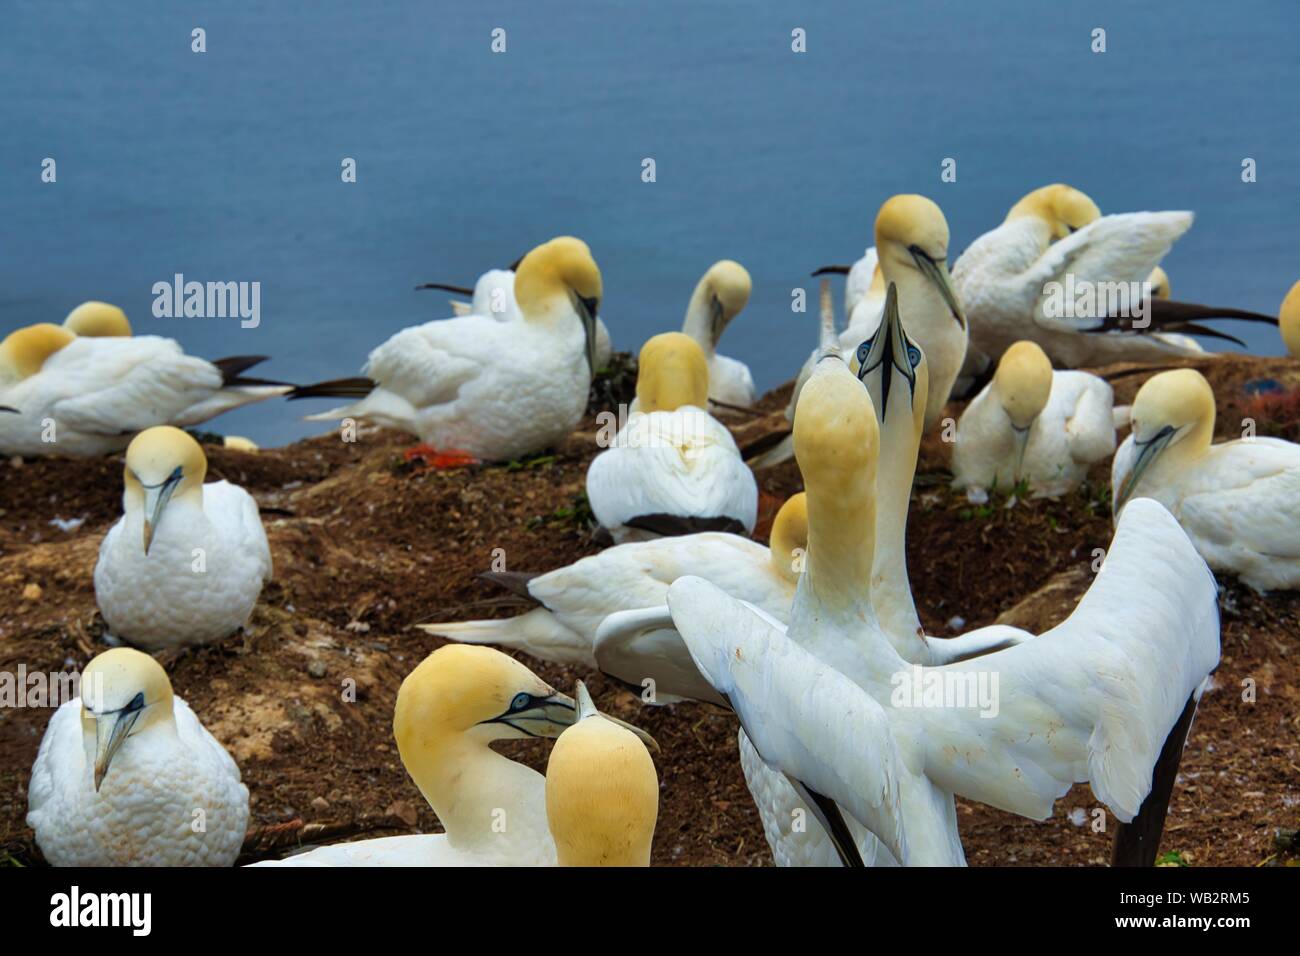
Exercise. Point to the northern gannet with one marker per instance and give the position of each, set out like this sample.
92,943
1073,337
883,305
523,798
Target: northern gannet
1055,245
1033,424
719,296
497,390
602,792
622,581
672,468
128,776
449,710
98,320
1289,321
863,282
186,562
1236,500
833,707
87,396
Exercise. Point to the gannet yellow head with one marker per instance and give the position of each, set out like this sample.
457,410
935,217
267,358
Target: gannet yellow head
789,539
1022,383
163,464
892,366
98,320
1288,320
912,234
1159,282
561,275
123,693
1064,209
238,443
1174,408
25,351
725,288
671,372
602,792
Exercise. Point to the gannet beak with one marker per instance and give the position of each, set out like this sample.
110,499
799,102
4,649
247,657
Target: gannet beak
111,730
937,272
587,309
1149,450
1022,442
888,351
586,707
551,716
718,319
155,500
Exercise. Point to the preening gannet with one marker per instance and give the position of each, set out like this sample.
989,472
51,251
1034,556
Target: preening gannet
497,390
98,320
834,707
494,295
1047,428
602,792
719,296
672,468
1289,321
625,580
1236,500
455,703
187,561
128,776
83,397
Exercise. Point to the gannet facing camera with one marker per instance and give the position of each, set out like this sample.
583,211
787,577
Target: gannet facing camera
186,562
449,710
718,298
1236,500
494,390
127,776
98,320
602,792
598,611
1289,321
1047,428
672,467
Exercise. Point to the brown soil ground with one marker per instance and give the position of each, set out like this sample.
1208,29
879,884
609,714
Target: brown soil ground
366,545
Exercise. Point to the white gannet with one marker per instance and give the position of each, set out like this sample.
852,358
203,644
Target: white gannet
1059,273
98,320
573,601
864,301
494,295
719,296
1236,500
86,396
128,776
1047,428
186,562
449,710
497,390
602,792
1289,321
672,468
839,712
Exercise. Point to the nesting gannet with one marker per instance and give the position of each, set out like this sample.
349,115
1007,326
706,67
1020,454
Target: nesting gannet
187,561
833,707
450,709
128,776
494,295
672,468
98,320
573,601
83,397
1236,500
1289,321
1047,428
497,390
602,792
719,296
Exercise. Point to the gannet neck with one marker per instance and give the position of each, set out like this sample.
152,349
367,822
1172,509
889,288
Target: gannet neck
98,320
472,788
672,372
1288,319
719,296
25,351
788,543
1063,209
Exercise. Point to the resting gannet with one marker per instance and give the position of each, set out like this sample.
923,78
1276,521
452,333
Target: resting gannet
494,295
602,792
450,709
1289,321
497,390
128,776
573,602
833,707
98,320
720,296
1047,428
1236,500
187,561
83,397
1059,273
672,468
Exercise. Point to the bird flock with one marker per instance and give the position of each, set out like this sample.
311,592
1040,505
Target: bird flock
857,729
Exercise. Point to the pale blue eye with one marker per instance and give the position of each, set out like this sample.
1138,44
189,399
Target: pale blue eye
864,350
914,355
520,702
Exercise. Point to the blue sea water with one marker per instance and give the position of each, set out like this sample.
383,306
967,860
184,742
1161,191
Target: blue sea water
225,165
